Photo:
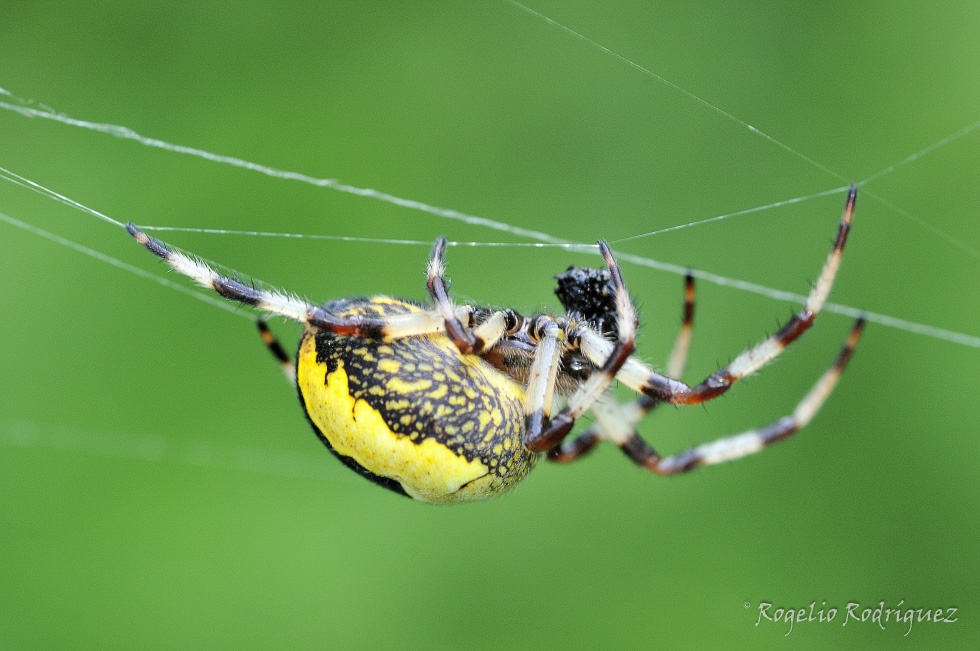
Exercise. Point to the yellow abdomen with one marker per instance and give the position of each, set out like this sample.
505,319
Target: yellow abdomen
414,415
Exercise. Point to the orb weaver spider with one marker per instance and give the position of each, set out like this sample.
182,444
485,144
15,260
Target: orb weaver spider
450,403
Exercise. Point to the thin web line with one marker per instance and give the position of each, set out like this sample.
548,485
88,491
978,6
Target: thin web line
365,240
126,133
572,246
747,211
646,71
152,448
333,184
779,295
98,255
667,82
970,128
926,225
23,182
894,322
33,186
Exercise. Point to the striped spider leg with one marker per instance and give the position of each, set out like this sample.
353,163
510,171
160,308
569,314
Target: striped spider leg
612,416
739,445
618,422
546,342
277,302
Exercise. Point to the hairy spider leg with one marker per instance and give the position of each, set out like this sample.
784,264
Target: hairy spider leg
289,306
752,441
285,361
642,379
551,340
543,434
610,414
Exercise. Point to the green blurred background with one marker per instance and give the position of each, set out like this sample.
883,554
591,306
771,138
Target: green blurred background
159,484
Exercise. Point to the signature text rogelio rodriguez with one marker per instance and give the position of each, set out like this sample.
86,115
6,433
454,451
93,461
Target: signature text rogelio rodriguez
854,613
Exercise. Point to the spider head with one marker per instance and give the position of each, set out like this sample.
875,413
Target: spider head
589,295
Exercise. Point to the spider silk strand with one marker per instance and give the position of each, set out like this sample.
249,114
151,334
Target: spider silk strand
820,166
22,107
883,319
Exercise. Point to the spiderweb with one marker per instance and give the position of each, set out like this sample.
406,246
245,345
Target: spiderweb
14,433
24,107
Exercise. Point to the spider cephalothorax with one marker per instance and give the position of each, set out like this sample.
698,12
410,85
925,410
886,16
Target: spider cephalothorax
589,295
449,403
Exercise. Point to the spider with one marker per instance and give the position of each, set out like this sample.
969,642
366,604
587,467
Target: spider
450,403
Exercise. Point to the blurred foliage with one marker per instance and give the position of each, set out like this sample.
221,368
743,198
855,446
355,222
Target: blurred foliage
160,486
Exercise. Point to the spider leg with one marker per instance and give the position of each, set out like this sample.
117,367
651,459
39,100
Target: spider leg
285,361
643,380
576,448
682,345
277,302
610,417
493,329
558,427
544,369
469,340
740,445
465,340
